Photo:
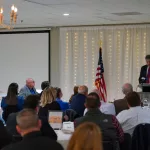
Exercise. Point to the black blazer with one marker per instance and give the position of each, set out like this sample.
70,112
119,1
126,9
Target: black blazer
5,137
46,129
35,141
143,74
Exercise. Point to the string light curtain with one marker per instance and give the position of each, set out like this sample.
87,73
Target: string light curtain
123,47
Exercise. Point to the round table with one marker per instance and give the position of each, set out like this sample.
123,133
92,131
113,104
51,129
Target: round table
63,138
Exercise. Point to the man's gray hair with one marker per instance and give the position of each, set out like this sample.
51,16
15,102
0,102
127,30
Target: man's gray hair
27,119
127,88
83,89
29,80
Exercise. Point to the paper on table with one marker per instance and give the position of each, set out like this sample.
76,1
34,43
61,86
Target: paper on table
68,127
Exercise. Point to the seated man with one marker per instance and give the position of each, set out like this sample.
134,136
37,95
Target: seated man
77,103
109,125
31,102
28,125
28,89
135,115
106,108
121,104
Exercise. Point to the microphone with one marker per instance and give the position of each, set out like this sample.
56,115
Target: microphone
143,79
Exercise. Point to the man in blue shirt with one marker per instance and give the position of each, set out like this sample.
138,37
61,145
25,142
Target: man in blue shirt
28,89
78,101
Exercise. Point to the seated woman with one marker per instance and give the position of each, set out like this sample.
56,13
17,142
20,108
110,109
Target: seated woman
63,105
48,102
86,137
12,102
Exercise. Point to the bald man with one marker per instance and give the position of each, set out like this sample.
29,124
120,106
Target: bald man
28,89
121,104
77,103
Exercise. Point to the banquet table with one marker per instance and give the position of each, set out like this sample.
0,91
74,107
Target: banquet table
63,138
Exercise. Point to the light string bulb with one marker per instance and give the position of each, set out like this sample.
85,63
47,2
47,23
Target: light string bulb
75,57
66,60
93,62
137,56
118,63
127,56
85,60
144,45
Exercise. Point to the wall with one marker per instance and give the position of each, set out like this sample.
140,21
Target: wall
54,56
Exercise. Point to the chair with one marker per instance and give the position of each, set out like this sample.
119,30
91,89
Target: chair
141,137
72,115
126,145
111,145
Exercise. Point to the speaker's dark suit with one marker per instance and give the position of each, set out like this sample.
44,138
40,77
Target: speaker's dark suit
143,74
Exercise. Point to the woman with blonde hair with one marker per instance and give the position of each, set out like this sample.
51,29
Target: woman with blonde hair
86,137
48,102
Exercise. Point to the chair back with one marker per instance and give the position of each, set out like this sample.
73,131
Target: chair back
141,137
72,115
111,145
126,144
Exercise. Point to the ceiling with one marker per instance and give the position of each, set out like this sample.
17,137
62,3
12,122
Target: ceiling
42,13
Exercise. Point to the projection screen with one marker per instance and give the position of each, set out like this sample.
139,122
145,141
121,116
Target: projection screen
24,55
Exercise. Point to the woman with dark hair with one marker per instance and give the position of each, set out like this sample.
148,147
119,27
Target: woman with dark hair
75,90
12,102
63,105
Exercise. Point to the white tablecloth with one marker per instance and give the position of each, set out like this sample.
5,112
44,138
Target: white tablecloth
63,138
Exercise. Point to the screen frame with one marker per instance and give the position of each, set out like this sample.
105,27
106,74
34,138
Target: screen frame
34,32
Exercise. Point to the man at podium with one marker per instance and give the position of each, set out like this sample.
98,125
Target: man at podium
145,71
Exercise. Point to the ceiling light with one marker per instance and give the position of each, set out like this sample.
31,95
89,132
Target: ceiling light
66,14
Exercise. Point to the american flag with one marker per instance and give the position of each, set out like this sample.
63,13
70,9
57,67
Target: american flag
100,82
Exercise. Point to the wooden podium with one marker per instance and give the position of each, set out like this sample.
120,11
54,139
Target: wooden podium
145,94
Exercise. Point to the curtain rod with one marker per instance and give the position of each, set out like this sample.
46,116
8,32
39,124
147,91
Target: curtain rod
50,27
121,24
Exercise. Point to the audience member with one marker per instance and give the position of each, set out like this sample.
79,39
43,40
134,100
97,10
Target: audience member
86,137
31,102
106,108
135,115
11,103
121,104
44,85
109,125
5,137
77,103
29,128
75,90
48,102
28,89
63,105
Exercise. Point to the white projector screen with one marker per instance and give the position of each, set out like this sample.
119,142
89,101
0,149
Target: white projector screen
24,55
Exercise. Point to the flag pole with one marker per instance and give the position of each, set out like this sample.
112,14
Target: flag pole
100,43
